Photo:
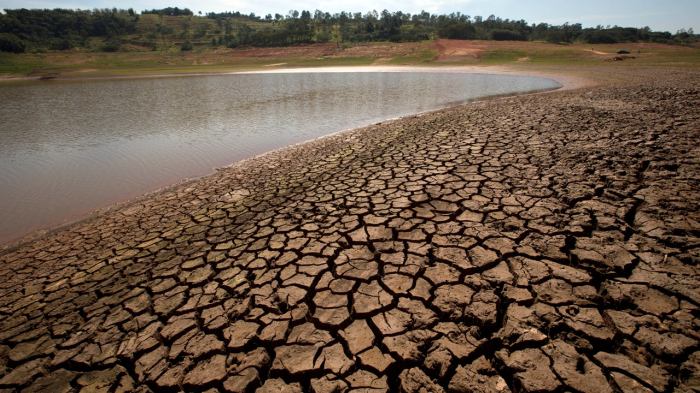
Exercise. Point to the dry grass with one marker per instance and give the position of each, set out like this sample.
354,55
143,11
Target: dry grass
440,52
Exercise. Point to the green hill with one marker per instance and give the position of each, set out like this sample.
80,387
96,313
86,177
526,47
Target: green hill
23,30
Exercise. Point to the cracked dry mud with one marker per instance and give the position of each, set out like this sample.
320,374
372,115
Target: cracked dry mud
541,243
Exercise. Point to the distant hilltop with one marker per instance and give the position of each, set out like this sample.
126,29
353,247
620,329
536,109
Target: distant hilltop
109,30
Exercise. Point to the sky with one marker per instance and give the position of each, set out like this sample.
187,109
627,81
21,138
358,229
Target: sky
664,15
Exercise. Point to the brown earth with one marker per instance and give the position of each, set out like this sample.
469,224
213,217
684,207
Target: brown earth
459,49
78,64
374,49
541,243
445,50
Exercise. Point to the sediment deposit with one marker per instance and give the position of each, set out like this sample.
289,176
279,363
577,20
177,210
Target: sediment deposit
536,243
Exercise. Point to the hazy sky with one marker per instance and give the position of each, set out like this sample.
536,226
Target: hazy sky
669,15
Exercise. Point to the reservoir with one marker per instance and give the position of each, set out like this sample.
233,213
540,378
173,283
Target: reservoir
69,147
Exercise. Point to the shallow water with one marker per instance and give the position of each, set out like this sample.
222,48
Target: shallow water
67,148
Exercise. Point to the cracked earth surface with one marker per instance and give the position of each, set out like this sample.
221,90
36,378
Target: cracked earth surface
541,243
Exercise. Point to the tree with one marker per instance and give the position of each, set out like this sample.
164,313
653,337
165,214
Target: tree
170,11
112,44
186,46
11,43
337,35
507,35
60,29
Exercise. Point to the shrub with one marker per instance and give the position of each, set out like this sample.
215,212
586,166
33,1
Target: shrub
599,37
61,44
111,45
11,43
186,46
455,30
507,35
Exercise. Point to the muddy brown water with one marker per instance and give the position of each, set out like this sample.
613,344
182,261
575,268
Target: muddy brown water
67,148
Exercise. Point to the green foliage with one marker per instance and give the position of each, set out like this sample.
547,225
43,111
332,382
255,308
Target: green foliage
112,44
64,29
170,11
613,35
456,30
566,33
599,37
186,46
61,29
11,43
507,35
64,43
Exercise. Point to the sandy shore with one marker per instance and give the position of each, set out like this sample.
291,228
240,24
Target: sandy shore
543,242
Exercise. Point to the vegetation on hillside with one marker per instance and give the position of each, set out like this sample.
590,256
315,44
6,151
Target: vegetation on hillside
125,30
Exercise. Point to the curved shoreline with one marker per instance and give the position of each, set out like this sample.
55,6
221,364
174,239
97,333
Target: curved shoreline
570,81
566,82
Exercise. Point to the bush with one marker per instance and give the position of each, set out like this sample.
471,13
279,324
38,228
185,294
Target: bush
186,46
507,35
61,44
599,37
455,30
111,45
555,36
11,43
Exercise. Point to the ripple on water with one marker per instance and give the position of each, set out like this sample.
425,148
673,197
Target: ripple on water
67,148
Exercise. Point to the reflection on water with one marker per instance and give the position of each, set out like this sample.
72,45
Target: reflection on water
69,147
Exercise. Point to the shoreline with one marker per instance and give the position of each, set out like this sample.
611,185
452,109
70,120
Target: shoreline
571,81
566,82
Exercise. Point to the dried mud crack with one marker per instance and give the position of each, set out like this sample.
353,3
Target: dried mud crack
543,243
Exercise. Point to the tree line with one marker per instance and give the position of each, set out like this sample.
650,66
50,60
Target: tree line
59,29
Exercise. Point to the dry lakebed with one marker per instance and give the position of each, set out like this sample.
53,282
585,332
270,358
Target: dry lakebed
536,243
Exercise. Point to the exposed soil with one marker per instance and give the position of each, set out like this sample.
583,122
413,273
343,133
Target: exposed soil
540,243
375,50
459,49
